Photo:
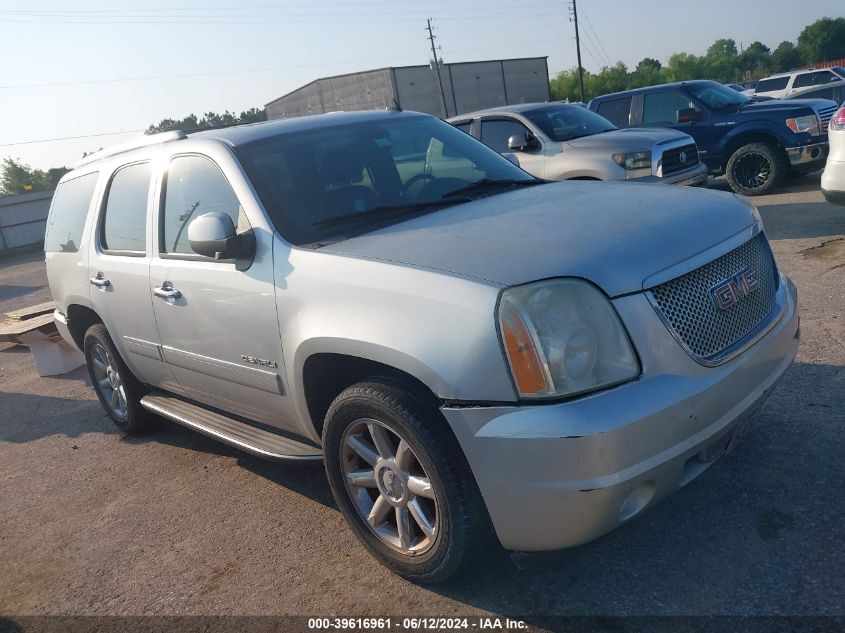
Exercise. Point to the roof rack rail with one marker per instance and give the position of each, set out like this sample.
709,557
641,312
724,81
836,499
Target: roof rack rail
144,141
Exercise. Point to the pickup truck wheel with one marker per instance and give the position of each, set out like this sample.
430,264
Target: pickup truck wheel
402,482
119,391
755,169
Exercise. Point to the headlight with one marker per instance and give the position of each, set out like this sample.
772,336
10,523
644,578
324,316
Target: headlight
562,337
634,160
809,124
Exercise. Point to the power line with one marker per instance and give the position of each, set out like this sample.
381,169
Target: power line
69,138
250,70
598,39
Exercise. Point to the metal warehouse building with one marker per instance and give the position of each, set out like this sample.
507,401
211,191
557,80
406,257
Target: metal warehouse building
467,86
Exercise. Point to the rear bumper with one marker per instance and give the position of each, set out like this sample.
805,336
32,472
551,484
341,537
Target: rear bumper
833,182
558,475
807,155
62,326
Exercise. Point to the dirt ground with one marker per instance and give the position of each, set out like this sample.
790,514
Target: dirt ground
92,522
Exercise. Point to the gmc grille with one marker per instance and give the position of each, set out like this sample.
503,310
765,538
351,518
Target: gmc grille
690,312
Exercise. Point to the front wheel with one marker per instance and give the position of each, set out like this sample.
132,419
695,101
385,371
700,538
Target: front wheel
756,169
402,482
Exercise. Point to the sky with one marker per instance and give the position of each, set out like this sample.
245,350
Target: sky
81,67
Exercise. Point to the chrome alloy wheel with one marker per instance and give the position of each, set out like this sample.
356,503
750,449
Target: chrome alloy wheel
108,380
389,487
752,170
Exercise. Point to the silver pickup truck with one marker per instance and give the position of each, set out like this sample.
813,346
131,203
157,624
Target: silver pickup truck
560,141
475,354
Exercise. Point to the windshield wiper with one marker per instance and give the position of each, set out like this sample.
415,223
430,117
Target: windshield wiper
386,212
485,185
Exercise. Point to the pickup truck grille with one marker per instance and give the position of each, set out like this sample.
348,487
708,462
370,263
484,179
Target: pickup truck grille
672,159
691,313
825,115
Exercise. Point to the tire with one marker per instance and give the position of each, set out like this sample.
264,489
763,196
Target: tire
398,412
756,169
118,390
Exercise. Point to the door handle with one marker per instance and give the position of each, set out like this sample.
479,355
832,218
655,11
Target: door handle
99,280
167,291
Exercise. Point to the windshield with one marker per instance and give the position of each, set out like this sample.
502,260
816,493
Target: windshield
566,122
333,182
716,95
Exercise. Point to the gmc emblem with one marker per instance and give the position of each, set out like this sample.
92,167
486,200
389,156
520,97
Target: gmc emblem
727,293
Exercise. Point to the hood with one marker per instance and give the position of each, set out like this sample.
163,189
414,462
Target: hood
614,234
788,106
629,139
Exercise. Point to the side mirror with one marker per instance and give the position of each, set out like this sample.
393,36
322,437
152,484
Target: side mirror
522,142
688,115
511,157
214,235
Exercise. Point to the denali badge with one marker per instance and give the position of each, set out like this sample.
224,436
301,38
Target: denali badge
728,292
259,361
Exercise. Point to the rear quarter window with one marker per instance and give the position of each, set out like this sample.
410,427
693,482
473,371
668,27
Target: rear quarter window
616,111
68,212
767,85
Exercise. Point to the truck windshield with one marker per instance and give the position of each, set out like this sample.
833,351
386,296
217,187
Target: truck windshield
333,182
566,122
717,96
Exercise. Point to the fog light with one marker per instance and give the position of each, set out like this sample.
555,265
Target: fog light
637,500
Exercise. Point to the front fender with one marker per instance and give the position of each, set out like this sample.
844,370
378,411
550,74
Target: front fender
778,132
435,326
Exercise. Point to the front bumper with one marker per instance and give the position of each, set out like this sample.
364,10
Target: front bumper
807,155
558,475
694,176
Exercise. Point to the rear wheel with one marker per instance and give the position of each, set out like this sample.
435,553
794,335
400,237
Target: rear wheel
756,169
119,391
402,482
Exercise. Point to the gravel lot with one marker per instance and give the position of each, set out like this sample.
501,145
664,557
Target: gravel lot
92,522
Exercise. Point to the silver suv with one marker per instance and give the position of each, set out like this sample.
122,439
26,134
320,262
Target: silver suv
474,353
561,141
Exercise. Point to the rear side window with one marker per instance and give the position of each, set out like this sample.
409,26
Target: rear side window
616,111
195,186
67,214
124,226
767,85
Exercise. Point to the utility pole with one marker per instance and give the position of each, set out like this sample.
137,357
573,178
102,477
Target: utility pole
574,18
437,68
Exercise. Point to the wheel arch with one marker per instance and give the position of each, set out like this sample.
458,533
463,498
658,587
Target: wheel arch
323,373
79,319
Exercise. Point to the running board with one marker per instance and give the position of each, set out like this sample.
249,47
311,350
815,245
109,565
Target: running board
229,430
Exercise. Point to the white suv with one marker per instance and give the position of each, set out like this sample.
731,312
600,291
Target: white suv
779,86
833,177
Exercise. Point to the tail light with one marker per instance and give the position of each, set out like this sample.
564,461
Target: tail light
838,120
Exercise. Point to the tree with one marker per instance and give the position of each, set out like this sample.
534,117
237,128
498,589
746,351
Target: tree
209,120
721,63
684,66
822,40
785,57
647,73
18,177
755,59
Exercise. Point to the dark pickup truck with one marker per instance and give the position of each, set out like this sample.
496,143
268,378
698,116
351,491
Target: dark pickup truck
755,144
